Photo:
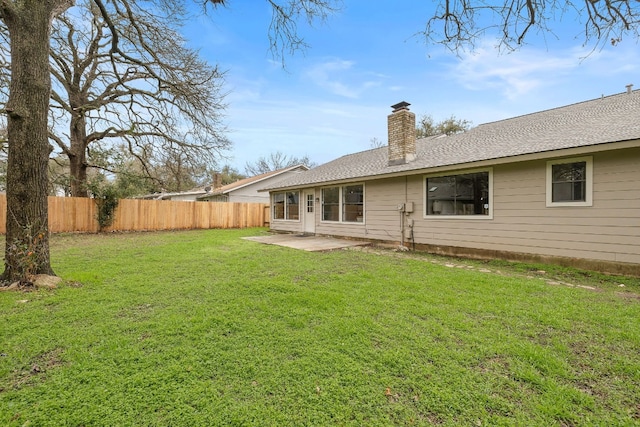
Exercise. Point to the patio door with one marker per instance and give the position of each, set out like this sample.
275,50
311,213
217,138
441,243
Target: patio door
309,212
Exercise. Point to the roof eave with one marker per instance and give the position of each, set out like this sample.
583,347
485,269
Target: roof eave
276,173
573,151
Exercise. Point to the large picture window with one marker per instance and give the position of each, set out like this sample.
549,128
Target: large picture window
286,205
343,204
569,182
465,194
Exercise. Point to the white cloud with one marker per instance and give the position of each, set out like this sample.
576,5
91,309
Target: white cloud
514,74
613,61
531,70
340,78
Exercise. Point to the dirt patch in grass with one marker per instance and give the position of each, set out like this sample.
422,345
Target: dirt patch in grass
36,370
629,295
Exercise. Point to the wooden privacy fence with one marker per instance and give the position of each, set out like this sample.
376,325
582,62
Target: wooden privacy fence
76,214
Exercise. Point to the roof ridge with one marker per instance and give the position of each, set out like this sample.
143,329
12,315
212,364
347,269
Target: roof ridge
579,125
602,97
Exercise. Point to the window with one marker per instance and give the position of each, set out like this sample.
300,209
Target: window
465,194
569,182
352,203
286,205
343,204
278,206
309,203
331,204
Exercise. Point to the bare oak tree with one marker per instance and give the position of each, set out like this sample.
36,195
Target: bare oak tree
28,24
459,24
157,97
275,161
455,24
27,241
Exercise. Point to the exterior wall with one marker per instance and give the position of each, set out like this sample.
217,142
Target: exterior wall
217,198
184,197
288,226
607,231
250,193
381,216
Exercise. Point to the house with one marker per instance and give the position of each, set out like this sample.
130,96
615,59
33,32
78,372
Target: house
561,185
246,190
242,191
179,196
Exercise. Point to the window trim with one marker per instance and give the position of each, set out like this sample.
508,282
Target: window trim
286,210
489,215
341,204
588,197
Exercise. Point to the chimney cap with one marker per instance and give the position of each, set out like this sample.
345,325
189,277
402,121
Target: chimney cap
400,106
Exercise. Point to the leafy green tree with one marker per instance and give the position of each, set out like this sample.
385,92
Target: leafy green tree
427,127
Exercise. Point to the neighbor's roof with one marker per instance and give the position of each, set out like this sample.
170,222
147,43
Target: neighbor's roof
166,196
225,189
604,120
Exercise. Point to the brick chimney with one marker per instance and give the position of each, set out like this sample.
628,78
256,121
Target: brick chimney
217,180
402,134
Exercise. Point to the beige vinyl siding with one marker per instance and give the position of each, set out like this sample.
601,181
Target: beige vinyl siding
341,229
294,226
283,224
609,230
287,226
249,194
348,229
382,218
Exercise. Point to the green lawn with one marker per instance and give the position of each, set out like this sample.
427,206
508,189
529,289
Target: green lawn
202,328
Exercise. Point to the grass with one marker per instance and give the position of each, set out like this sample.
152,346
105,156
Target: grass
202,328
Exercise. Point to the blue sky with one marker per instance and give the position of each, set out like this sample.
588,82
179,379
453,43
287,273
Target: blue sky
334,97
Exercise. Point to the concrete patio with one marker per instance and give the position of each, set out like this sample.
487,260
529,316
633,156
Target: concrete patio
306,242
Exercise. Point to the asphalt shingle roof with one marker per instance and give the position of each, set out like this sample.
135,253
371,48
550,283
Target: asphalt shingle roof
604,120
246,181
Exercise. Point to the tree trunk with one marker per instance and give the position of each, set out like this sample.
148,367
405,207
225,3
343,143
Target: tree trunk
78,157
27,239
